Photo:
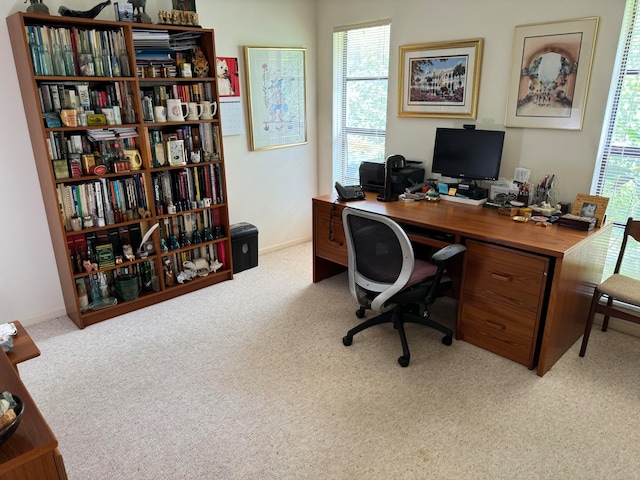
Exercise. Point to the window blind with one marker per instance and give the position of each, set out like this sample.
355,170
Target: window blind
360,91
617,172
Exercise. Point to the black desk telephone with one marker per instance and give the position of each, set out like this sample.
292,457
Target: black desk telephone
350,192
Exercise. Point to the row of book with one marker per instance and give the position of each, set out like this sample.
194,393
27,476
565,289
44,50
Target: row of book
90,98
104,201
66,51
183,188
195,92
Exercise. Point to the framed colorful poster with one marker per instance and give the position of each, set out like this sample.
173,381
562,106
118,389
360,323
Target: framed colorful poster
550,70
276,94
440,80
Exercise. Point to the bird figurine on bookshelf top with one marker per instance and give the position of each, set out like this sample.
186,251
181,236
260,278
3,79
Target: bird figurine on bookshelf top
140,6
91,13
37,7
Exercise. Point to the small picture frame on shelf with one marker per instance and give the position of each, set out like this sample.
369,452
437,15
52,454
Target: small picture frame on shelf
124,11
175,152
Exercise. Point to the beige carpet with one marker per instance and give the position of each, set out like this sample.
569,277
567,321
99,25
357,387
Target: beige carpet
249,380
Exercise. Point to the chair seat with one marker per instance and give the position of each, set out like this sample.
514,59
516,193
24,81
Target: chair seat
422,270
622,288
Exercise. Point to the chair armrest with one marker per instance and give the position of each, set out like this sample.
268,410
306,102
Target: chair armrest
447,253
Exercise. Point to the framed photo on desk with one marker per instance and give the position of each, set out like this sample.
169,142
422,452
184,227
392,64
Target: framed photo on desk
591,206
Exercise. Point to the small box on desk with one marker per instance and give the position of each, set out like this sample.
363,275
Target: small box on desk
577,222
244,246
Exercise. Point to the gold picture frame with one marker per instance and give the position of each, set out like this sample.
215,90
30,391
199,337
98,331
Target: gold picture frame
440,80
276,96
591,206
550,71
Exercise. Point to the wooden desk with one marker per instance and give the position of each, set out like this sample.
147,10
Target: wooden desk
568,264
32,451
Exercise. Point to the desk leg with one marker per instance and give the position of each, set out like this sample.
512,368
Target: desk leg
324,269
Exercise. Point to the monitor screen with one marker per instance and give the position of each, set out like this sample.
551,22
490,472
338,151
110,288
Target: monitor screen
468,154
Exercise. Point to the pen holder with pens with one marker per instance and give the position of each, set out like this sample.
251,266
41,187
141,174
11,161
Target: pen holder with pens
523,198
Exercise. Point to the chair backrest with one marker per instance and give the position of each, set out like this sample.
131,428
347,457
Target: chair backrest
632,229
381,258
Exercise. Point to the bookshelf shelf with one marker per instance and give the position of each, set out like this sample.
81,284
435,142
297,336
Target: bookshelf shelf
117,186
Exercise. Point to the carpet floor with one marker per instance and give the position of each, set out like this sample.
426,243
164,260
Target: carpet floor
249,379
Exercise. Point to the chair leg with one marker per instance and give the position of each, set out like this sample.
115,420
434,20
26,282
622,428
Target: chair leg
605,321
398,323
384,318
587,329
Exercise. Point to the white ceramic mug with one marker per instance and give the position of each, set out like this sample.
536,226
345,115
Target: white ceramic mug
177,110
209,109
160,113
195,111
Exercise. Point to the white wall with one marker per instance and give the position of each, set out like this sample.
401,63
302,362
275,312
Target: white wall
270,189
273,189
570,155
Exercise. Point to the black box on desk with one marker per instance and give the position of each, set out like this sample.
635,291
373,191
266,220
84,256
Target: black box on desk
244,246
372,176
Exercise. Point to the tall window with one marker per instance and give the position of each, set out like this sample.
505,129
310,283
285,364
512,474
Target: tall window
617,173
361,74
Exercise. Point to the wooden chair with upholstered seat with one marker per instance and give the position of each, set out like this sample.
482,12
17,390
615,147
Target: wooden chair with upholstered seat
619,289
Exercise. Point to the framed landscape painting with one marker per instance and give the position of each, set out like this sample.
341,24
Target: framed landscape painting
550,70
440,79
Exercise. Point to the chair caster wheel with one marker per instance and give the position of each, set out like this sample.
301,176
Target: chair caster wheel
447,340
346,341
403,361
360,313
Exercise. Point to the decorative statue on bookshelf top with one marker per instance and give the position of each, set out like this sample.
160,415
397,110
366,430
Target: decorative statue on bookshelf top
140,7
37,7
91,13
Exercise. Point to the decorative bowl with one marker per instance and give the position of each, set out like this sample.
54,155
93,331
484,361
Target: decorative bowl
7,430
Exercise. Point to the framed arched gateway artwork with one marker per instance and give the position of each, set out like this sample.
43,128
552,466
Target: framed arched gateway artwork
550,70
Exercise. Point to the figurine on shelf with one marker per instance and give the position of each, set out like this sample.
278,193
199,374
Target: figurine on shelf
89,267
200,64
169,277
140,8
37,7
91,13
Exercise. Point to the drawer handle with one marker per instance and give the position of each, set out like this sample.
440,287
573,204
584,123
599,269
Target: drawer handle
500,277
495,325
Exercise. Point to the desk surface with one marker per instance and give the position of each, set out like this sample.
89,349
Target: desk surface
476,222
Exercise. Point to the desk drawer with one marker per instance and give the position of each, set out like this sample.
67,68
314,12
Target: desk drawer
505,275
502,329
328,234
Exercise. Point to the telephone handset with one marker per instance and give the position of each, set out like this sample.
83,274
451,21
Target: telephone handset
350,192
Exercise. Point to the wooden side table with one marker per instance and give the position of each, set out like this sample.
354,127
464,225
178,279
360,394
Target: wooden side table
23,347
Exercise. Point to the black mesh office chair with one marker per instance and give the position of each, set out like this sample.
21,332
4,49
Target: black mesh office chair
385,277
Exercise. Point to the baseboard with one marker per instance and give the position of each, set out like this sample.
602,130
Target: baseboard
280,246
44,317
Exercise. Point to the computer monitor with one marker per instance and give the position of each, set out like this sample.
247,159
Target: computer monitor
468,154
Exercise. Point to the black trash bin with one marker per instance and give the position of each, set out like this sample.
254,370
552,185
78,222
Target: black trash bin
244,246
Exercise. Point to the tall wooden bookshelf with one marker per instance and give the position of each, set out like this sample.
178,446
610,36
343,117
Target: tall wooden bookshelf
98,197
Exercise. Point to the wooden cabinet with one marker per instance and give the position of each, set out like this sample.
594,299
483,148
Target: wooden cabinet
32,451
106,186
502,300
